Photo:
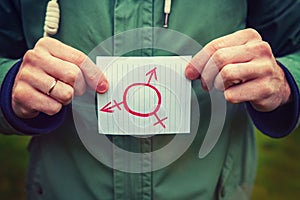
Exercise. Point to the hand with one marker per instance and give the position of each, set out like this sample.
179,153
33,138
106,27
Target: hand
243,66
52,63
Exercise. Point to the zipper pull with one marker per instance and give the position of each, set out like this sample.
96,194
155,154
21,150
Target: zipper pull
167,11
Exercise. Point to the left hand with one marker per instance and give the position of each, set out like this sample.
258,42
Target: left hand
243,66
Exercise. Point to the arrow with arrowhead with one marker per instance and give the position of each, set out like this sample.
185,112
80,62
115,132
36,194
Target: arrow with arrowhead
152,73
108,109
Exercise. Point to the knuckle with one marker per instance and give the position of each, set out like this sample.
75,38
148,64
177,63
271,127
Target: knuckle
54,108
253,33
205,79
41,41
78,57
219,57
29,56
264,48
219,85
32,57
216,44
44,42
268,70
22,108
67,95
260,105
230,97
225,73
266,89
19,95
24,74
24,112
72,75
270,89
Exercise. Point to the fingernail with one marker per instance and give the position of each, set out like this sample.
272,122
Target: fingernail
102,87
191,73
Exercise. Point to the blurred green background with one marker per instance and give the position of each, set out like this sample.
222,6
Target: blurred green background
278,171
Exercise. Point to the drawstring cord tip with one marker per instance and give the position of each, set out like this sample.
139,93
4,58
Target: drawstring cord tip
166,20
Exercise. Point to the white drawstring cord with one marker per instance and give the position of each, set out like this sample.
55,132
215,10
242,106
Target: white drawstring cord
52,18
167,11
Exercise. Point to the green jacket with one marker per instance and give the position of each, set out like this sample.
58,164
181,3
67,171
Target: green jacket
60,165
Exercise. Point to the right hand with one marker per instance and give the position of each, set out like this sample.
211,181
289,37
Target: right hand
48,61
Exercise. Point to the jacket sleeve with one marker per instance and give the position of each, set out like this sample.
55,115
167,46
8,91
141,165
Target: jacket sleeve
279,24
12,48
11,35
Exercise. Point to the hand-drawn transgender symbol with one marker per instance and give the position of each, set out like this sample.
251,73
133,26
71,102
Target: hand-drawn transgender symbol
152,74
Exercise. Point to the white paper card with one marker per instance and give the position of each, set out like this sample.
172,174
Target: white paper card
146,96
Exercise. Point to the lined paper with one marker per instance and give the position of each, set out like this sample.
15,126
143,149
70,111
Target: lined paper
146,96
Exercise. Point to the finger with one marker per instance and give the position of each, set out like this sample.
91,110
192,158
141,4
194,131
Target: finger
28,100
43,82
22,112
257,90
196,65
39,62
92,74
221,58
66,72
62,93
36,78
233,74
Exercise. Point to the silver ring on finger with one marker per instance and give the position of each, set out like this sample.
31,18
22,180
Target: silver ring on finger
52,87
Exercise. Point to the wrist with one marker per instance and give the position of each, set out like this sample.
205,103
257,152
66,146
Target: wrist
286,89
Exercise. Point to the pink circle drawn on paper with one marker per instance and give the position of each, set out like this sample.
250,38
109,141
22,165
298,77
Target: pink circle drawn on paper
137,113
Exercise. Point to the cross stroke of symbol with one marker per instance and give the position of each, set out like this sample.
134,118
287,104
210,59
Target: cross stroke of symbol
108,108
